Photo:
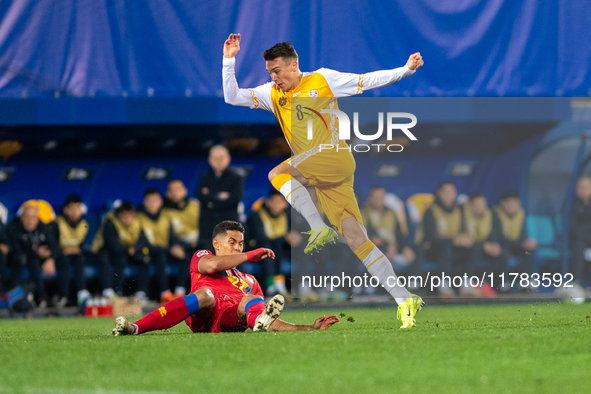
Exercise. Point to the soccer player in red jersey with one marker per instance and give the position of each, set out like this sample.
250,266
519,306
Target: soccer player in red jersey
222,298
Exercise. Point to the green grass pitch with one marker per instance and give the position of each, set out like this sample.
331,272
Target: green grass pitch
516,348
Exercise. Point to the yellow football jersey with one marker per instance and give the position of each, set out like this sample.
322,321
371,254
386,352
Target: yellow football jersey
316,91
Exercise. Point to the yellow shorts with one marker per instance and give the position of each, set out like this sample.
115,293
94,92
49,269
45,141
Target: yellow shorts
332,172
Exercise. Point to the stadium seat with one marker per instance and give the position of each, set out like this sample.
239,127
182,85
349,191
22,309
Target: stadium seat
543,229
416,206
46,212
397,205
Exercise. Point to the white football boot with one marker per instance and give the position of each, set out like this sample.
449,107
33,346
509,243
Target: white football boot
123,327
270,314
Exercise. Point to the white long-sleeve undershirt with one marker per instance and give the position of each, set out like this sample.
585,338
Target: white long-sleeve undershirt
341,84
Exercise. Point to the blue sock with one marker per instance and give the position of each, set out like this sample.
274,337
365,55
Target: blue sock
192,303
252,302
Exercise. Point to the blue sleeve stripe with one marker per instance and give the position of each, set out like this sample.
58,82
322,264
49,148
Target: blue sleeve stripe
192,303
252,302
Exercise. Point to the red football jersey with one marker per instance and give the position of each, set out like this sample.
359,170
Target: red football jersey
231,283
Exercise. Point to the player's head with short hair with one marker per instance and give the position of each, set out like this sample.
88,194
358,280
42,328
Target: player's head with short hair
126,213
478,204
73,208
222,228
282,64
510,203
282,49
152,201
228,237
446,193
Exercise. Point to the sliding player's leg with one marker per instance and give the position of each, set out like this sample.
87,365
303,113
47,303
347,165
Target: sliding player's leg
168,315
258,315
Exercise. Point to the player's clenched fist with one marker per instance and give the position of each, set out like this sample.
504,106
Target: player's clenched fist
232,45
259,254
414,61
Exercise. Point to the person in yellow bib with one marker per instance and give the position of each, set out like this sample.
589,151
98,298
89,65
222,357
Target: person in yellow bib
269,227
485,229
183,213
120,241
442,238
72,230
161,238
515,241
330,171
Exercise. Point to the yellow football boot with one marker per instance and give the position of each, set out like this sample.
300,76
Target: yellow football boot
408,310
320,237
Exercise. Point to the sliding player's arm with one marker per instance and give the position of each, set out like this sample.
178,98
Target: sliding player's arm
322,323
259,97
210,264
346,84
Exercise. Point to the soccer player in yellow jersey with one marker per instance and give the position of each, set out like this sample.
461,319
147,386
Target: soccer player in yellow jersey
329,170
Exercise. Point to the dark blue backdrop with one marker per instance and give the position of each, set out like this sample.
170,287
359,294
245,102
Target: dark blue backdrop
113,49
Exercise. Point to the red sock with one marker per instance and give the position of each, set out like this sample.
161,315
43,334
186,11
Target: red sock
169,314
254,308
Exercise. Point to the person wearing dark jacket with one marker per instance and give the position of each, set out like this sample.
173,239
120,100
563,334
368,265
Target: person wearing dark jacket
220,191
4,250
119,242
442,238
32,246
580,231
269,227
183,214
515,241
162,241
383,227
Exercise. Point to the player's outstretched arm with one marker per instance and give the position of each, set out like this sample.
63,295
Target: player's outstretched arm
346,84
232,46
259,97
322,323
415,61
210,264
